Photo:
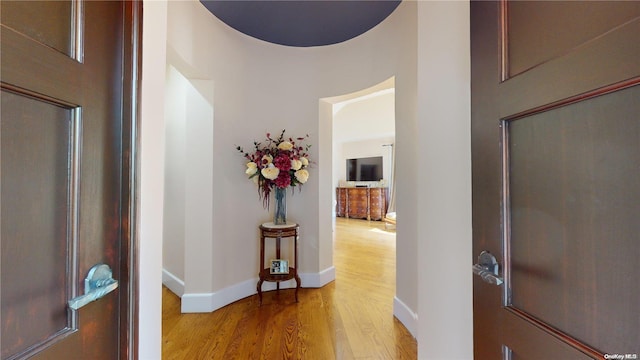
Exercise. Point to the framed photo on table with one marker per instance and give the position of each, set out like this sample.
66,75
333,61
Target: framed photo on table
279,266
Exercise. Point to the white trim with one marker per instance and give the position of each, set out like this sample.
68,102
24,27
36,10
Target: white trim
174,283
197,303
208,302
318,280
406,316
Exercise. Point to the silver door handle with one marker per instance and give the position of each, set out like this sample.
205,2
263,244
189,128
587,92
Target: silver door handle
487,267
99,282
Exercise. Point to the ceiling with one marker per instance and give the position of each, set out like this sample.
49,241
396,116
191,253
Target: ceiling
302,23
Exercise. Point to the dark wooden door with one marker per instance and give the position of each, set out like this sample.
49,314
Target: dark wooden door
65,176
556,163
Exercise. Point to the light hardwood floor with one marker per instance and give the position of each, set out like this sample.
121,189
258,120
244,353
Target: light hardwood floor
350,318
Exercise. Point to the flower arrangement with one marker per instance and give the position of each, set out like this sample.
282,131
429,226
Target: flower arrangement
278,162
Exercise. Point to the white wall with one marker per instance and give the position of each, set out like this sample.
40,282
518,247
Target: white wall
445,281
263,87
432,121
199,184
151,175
367,117
188,209
359,149
174,174
360,127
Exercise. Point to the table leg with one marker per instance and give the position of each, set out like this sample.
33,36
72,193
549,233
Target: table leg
278,257
295,254
260,291
260,270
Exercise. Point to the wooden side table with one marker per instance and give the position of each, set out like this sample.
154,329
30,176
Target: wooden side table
277,232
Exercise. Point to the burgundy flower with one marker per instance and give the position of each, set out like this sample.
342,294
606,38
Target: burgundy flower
282,162
283,180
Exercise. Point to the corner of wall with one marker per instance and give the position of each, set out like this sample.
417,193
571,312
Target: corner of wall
406,316
208,302
318,280
175,284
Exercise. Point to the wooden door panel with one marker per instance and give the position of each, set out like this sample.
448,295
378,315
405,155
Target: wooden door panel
560,28
486,174
487,334
96,337
39,69
574,200
38,221
51,23
555,162
66,182
521,341
599,63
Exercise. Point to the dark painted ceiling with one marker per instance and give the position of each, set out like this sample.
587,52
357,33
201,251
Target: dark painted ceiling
302,23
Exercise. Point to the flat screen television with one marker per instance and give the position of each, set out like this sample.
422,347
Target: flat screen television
364,169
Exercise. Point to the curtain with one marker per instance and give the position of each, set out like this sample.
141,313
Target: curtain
392,181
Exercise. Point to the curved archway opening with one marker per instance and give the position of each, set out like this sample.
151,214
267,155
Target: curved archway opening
360,124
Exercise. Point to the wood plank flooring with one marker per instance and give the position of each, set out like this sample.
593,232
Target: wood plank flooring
350,318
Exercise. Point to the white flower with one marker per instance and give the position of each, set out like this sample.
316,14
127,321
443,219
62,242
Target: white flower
302,176
267,159
285,145
271,172
296,164
305,161
252,168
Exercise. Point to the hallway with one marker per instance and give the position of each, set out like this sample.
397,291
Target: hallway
350,318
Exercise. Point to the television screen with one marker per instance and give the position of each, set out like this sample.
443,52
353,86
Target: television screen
364,169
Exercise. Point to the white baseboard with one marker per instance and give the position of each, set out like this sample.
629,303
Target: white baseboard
406,316
175,284
318,280
208,302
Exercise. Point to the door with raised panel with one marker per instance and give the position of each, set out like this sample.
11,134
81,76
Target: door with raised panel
556,161
65,176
